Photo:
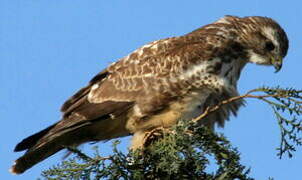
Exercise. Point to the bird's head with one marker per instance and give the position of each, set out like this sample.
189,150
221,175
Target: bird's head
264,40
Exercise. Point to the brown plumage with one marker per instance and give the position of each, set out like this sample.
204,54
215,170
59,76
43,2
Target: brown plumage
160,83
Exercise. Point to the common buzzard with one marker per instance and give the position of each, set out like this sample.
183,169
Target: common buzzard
160,83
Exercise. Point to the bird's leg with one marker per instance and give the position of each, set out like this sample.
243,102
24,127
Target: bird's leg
154,135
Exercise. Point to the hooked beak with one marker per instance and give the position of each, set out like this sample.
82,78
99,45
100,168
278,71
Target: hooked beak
277,63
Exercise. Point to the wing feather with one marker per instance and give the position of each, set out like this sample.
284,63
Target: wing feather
150,75
71,103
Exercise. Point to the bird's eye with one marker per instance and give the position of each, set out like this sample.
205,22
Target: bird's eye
269,46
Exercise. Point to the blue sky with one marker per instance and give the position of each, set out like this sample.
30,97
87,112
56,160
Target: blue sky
50,49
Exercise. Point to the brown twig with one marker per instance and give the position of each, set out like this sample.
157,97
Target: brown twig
211,109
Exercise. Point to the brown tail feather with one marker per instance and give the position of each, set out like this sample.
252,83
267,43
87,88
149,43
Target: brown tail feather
46,144
32,140
33,157
54,141
72,131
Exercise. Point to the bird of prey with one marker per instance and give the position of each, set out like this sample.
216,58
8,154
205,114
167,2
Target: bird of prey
160,83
